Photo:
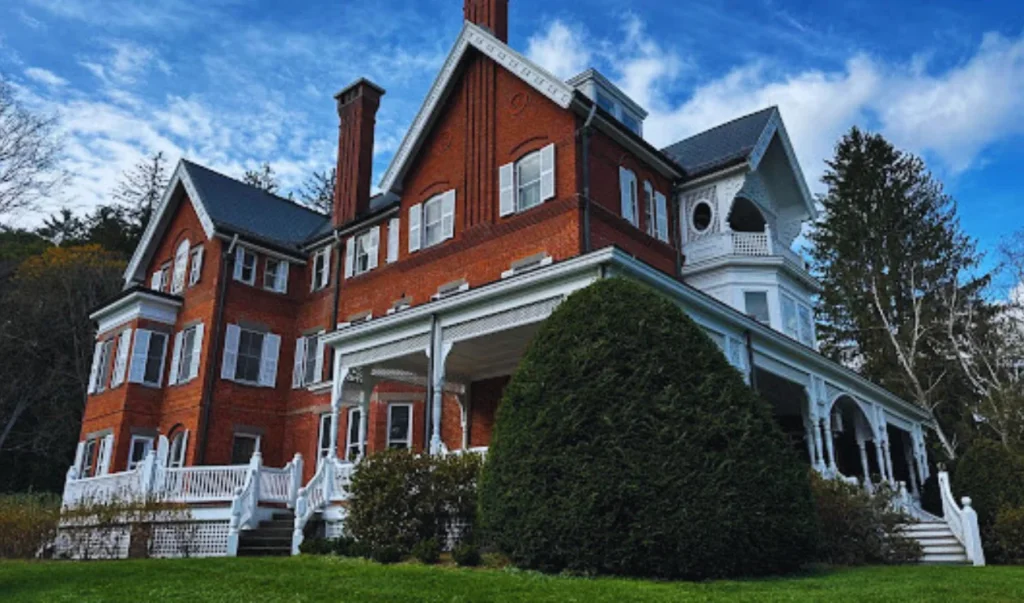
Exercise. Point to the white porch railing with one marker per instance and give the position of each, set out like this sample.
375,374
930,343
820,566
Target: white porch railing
748,244
202,484
103,488
963,522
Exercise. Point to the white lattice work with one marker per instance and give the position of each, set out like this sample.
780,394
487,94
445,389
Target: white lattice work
190,539
500,321
750,243
386,351
93,542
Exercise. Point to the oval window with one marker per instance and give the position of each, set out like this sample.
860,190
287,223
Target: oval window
701,216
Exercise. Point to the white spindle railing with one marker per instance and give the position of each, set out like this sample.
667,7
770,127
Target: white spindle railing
275,485
202,483
311,499
963,522
245,502
104,488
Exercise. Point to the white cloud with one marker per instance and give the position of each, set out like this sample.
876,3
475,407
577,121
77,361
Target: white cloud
45,76
561,50
952,115
125,63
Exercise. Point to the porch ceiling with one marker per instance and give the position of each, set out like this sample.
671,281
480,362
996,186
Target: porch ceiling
491,355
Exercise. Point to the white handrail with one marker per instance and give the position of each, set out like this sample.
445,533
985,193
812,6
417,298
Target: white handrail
963,522
311,499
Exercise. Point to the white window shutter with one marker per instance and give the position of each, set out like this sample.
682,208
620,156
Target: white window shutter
325,272
282,277
300,357
547,172
140,353
507,189
197,266
106,451
626,187
184,449
239,254
156,281
661,205
197,352
95,370
121,361
318,368
79,455
374,250
230,362
415,214
393,225
175,358
448,214
350,256
268,360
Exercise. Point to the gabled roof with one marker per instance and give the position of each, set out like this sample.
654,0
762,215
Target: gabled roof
472,35
722,146
226,206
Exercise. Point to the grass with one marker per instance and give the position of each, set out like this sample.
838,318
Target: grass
336,579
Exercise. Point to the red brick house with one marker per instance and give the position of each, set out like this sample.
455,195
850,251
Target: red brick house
255,333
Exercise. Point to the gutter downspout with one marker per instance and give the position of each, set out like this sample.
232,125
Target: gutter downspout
585,132
337,295
206,403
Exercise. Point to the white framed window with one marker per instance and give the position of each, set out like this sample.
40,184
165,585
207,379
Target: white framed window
180,267
394,228
275,275
103,370
527,182
432,221
138,450
196,271
362,252
432,216
321,276
323,448
250,356
124,340
309,360
245,266
352,437
797,320
400,426
655,212
148,353
179,447
756,305
188,347
243,445
88,466
628,196
161,279
701,217
805,319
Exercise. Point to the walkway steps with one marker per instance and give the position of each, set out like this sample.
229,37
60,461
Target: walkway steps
271,538
939,544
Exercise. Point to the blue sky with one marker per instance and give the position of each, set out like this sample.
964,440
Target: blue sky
232,83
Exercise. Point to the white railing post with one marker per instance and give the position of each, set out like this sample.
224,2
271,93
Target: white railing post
255,464
233,524
148,475
972,534
294,480
300,522
327,465
769,239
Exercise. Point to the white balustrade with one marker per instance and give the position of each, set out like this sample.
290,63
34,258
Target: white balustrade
963,522
275,485
104,488
202,483
747,244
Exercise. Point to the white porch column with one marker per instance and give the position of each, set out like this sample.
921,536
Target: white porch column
865,467
364,417
464,418
829,443
818,447
439,354
888,461
340,374
809,436
880,457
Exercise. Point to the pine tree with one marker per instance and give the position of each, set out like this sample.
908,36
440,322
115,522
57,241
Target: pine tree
262,178
888,252
140,190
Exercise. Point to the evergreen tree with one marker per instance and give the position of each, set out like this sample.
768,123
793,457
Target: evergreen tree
263,178
140,190
888,252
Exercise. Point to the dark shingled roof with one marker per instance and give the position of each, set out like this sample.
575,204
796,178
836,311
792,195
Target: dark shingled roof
249,211
721,146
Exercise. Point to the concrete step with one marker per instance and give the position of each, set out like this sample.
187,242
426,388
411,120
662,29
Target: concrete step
283,516
929,534
934,542
925,526
949,549
944,559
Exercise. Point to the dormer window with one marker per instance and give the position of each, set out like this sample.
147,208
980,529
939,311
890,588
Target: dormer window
611,99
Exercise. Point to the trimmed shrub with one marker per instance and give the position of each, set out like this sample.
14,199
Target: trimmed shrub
387,554
993,477
427,551
466,555
316,546
28,524
400,499
627,444
1008,535
857,528
345,546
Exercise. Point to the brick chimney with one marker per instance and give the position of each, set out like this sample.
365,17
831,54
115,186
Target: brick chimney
489,14
357,115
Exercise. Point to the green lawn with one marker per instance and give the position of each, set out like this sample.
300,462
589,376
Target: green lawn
334,579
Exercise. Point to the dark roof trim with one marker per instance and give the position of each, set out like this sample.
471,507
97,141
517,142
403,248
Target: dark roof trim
360,222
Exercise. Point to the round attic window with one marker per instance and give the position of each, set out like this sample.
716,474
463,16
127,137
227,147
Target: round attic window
702,215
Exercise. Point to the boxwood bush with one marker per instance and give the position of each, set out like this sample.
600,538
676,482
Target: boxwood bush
627,444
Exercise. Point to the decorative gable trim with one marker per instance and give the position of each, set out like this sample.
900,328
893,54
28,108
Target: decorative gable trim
156,222
474,36
771,129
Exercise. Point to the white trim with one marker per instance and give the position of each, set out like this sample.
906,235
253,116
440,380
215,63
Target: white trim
148,441
348,432
773,127
180,177
294,259
473,35
138,304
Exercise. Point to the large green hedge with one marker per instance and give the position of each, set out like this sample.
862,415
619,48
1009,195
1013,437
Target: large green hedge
627,444
992,476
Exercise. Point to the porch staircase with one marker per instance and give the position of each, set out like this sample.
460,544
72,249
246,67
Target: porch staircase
939,545
271,538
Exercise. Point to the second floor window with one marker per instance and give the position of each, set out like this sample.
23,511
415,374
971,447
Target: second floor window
797,320
628,196
309,358
245,266
321,276
188,347
147,365
180,267
275,275
250,356
362,252
100,373
756,303
527,182
250,352
432,222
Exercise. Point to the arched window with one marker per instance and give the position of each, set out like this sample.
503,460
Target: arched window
180,267
179,444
